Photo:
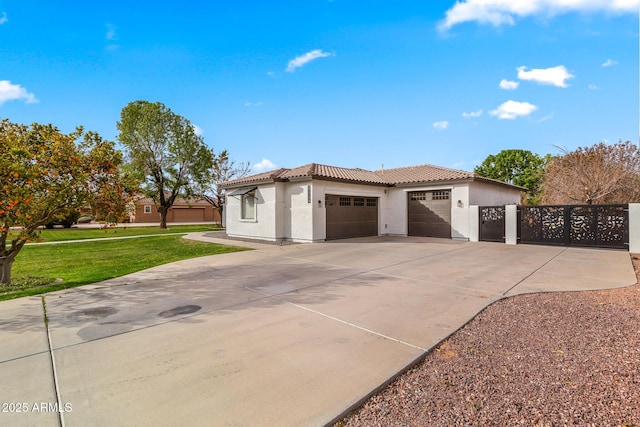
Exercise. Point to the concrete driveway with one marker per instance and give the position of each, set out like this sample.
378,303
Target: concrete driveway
282,335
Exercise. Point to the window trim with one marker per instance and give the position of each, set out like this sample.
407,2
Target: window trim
244,198
146,209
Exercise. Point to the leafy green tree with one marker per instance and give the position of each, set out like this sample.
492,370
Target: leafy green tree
518,167
602,174
164,152
46,174
112,202
224,169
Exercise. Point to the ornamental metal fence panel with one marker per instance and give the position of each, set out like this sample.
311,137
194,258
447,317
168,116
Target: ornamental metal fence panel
492,224
602,226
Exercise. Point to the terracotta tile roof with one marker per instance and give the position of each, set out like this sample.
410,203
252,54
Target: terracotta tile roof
316,170
312,170
422,173
300,171
390,177
348,174
260,177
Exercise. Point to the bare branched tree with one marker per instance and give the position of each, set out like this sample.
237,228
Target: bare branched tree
600,174
224,169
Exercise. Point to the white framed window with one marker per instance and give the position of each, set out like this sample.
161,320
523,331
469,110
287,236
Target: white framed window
147,209
248,206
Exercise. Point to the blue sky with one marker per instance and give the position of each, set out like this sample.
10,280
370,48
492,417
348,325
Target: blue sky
344,82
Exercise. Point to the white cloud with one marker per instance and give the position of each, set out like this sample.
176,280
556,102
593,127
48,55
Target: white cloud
441,125
263,165
253,104
111,37
3,18
10,92
301,60
472,114
198,130
592,87
555,76
111,32
513,109
505,12
545,118
508,84
609,63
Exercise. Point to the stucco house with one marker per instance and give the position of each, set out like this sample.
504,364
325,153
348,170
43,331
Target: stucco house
315,202
183,210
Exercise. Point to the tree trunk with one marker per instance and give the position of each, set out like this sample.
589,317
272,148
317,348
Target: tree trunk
163,217
221,211
5,269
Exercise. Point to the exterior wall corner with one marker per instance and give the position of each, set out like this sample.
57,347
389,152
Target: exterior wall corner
474,223
511,224
634,228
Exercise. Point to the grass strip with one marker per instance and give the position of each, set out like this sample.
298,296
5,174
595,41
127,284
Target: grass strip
59,234
89,262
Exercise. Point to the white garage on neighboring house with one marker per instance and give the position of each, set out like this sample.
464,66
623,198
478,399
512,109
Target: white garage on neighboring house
316,202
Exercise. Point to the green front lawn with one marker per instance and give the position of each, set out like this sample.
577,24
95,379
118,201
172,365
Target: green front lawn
60,234
92,261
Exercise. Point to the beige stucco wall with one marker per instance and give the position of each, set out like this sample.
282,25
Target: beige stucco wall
299,211
460,211
634,228
485,194
282,213
476,193
394,212
264,226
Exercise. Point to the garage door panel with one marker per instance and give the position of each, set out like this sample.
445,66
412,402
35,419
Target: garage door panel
430,214
188,214
351,216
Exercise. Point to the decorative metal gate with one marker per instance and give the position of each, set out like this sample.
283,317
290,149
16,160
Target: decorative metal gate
492,224
605,226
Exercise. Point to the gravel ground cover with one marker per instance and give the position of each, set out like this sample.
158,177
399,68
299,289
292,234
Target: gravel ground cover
552,359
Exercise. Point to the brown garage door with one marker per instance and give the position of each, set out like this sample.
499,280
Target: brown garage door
430,213
188,214
351,216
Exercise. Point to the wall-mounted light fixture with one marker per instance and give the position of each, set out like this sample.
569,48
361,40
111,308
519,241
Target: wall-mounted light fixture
460,204
319,203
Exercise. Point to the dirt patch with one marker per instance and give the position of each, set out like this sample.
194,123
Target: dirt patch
543,359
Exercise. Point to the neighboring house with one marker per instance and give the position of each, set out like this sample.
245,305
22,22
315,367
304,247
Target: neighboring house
181,211
316,202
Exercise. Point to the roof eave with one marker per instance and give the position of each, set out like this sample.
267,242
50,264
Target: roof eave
227,186
350,181
432,182
498,182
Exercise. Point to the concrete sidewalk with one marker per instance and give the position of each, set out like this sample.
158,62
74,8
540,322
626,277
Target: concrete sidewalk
282,335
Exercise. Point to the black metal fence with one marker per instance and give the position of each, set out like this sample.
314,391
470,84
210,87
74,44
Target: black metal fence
605,226
492,224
